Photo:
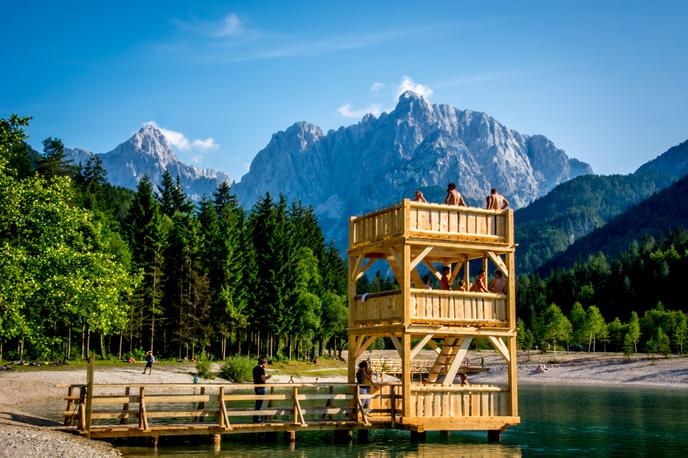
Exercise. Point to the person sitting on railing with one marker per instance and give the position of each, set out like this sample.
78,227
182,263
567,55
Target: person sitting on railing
420,197
364,377
496,201
444,281
463,286
453,196
480,283
426,282
498,284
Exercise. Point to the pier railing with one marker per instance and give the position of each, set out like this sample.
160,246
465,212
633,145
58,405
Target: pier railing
417,219
458,308
120,410
432,401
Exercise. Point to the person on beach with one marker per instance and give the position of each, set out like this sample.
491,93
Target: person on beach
426,282
498,284
496,201
420,197
453,196
480,283
150,359
444,281
364,377
259,378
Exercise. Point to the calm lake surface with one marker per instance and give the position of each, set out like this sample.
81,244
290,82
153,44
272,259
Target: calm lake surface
556,421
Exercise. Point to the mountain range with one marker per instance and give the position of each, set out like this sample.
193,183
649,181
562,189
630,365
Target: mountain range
418,145
576,208
149,152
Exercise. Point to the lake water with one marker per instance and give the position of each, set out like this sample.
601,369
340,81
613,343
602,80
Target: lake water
556,421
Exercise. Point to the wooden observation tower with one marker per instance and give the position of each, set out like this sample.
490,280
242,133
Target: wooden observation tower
408,236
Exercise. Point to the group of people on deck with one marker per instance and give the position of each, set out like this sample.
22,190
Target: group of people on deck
497,285
495,201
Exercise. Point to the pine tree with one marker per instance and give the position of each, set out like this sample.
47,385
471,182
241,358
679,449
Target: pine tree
53,163
146,236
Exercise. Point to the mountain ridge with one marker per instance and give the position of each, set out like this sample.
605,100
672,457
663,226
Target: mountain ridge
149,152
417,145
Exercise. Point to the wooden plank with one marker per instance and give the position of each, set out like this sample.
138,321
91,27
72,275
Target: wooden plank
419,346
499,263
501,347
89,392
456,363
417,260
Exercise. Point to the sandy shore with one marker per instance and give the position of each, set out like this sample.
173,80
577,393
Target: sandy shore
31,405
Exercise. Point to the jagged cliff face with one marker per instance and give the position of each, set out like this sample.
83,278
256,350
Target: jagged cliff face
149,153
379,161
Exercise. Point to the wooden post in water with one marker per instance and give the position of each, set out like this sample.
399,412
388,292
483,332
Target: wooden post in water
89,393
494,435
125,408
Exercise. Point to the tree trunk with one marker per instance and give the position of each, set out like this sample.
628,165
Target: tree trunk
119,352
88,342
103,351
68,353
83,340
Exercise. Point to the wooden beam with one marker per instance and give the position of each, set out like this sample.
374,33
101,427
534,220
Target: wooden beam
456,364
357,265
397,345
432,269
89,392
365,345
419,346
499,263
416,279
513,389
364,268
455,272
420,257
500,346
406,375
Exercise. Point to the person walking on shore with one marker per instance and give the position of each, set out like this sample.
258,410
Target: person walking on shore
150,359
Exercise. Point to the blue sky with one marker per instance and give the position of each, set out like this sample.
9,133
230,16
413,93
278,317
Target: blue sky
606,81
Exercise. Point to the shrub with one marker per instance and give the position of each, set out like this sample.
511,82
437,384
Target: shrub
203,366
237,369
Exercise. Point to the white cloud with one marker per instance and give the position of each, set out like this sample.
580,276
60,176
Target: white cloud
180,142
407,84
347,110
376,86
231,26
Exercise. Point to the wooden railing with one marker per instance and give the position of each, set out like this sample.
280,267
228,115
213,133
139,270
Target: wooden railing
376,226
378,307
124,410
432,220
459,401
459,308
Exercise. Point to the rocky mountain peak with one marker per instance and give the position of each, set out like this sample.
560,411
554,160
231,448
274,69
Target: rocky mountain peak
151,141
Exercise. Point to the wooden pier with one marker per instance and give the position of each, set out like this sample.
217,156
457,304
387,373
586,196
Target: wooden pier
405,237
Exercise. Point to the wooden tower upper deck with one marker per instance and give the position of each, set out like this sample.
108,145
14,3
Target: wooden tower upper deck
412,236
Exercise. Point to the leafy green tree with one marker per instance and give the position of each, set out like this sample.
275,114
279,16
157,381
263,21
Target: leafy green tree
595,325
616,330
633,331
556,327
335,320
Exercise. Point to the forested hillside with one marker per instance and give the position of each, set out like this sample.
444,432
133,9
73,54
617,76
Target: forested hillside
653,216
87,266
575,208
640,295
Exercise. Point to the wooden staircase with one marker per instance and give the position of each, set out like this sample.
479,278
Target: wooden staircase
445,358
